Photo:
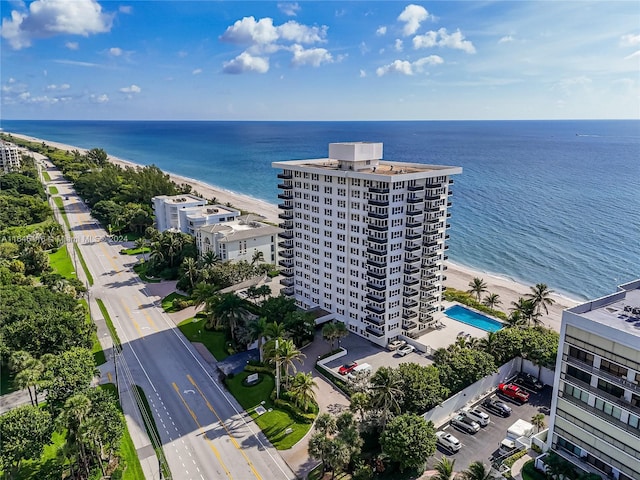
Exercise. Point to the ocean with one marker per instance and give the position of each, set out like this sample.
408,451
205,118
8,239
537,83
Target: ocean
556,202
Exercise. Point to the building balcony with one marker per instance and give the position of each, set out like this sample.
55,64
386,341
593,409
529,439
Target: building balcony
413,212
409,325
378,203
377,240
288,225
285,176
379,190
287,273
375,297
375,308
618,401
424,319
450,192
286,244
285,216
410,292
433,185
408,315
286,235
409,270
286,263
412,260
378,228
378,275
432,198
448,225
619,381
375,320
287,282
376,263
412,247
415,188
286,254
285,196
285,186
411,223
376,287
449,204
287,291
374,332
378,215
413,236
428,309
414,200
409,281
375,249
451,181
409,304
448,214
284,206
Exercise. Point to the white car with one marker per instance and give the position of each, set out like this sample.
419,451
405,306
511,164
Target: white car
405,350
448,441
395,344
478,416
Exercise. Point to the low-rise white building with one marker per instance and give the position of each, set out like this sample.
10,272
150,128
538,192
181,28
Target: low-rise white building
239,239
9,157
185,213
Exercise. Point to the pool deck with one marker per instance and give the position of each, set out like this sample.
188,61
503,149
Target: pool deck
444,337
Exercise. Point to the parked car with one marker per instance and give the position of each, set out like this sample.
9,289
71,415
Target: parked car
513,392
405,350
478,416
497,406
448,441
465,424
347,368
395,344
527,380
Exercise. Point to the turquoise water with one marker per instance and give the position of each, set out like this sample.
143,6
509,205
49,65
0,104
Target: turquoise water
472,318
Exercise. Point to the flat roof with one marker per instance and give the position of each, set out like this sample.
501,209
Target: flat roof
177,199
204,210
377,167
620,310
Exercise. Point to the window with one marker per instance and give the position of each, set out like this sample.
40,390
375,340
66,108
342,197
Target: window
608,408
579,374
576,393
581,355
613,368
599,464
568,446
610,388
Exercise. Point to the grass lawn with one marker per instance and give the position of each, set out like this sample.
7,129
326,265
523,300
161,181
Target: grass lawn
167,302
135,251
46,176
61,262
273,423
96,348
530,473
107,319
60,205
193,329
141,270
84,265
53,190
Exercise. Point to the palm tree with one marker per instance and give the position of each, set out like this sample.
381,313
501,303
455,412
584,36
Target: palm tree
275,330
190,268
515,319
527,310
477,287
289,354
541,297
257,329
444,469
258,256
492,300
477,471
201,293
209,259
386,393
326,424
359,403
229,310
73,416
538,421
302,388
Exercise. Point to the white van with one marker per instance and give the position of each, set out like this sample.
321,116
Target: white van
362,370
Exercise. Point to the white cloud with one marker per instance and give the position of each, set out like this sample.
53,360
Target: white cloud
405,67
506,39
630,40
54,87
246,63
312,56
442,38
296,32
412,16
571,85
289,9
93,98
398,45
72,45
80,64
128,9
249,32
381,31
197,71
46,18
115,51
132,89
182,54
363,73
633,55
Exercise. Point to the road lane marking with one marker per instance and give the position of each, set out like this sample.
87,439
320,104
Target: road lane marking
204,433
135,324
108,256
233,440
109,377
149,319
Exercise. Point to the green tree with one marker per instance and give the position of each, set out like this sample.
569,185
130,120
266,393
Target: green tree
492,300
302,389
333,331
68,374
257,330
386,393
541,297
24,432
72,417
228,311
478,471
300,327
527,310
462,367
420,387
558,468
409,440
275,330
360,403
538,421
275,309
477,287
444,469
189,268
258,256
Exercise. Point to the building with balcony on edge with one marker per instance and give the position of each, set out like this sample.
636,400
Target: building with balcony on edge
239,239
364,239
9,157
185,213
595,411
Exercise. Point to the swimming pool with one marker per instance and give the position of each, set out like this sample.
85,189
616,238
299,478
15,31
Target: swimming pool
472,318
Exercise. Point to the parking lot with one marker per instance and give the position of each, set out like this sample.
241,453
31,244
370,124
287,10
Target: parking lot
482,445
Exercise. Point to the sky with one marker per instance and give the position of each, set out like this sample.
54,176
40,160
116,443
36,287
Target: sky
319,60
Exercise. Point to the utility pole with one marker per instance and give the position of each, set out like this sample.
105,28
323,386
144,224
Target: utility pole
277,370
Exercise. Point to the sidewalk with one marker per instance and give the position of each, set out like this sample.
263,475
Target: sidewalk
516,468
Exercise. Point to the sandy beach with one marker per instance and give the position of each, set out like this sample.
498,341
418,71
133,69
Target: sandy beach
458,276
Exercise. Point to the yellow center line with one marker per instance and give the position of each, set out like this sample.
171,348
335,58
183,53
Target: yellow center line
108,256
149,319
135,324
233,440
109,377
204,434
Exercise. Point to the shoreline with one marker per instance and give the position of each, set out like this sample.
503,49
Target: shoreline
458,276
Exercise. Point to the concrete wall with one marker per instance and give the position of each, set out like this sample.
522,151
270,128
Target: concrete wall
546,374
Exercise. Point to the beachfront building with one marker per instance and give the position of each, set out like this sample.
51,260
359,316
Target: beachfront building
364,239
9,157
595,411
185,213
240,239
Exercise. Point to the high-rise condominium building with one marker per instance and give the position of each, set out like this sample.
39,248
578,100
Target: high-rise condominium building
595,417
9,157
364,238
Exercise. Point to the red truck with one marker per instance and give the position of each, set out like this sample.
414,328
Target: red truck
513,392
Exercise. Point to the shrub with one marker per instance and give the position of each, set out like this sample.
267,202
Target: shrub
258,369
294,411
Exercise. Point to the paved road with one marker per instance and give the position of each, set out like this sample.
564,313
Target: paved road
202,428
